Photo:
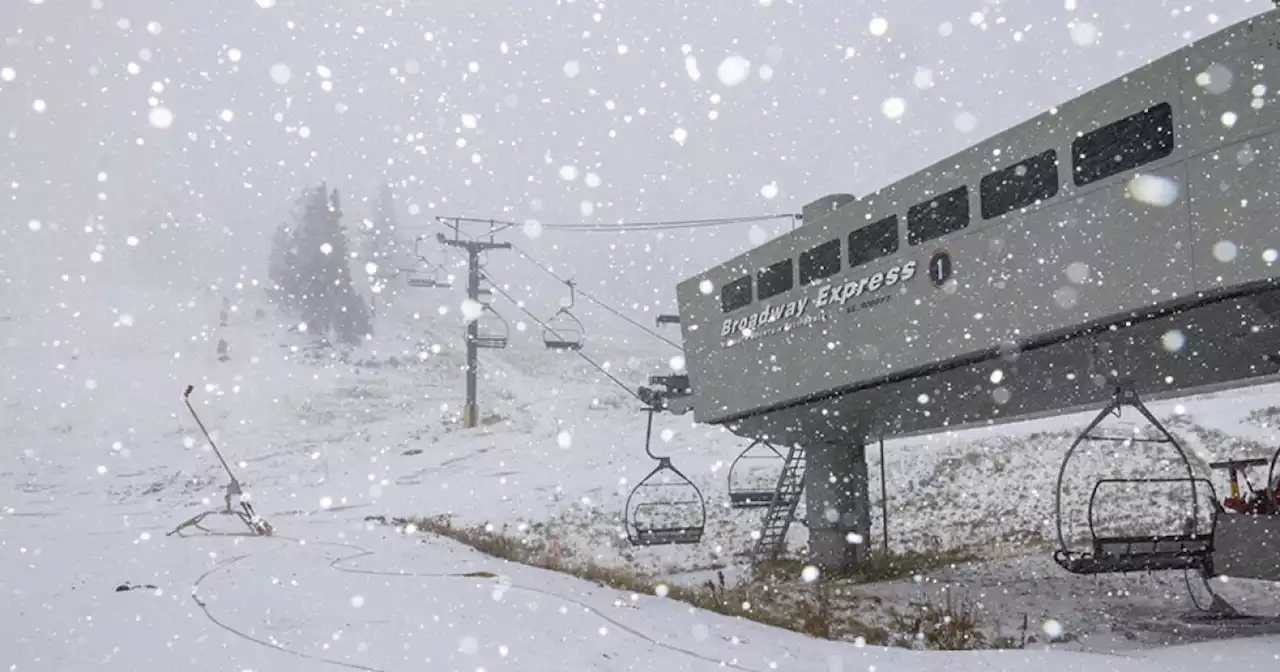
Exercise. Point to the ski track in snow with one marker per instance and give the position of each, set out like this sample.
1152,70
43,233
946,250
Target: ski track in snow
358,552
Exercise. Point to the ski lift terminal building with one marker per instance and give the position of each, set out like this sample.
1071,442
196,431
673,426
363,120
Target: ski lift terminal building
1129,234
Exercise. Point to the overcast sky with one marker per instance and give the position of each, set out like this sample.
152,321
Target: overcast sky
672,109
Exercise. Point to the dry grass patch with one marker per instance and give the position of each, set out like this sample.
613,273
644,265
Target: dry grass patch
775,595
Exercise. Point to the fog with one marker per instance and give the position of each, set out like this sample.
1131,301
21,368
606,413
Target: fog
116,116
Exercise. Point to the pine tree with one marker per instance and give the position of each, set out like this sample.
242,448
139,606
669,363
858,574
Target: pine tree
381,245
314,241
310,269
280,265
283,266
351,319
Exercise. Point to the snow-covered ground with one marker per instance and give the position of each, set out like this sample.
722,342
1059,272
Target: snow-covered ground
337,595
104,460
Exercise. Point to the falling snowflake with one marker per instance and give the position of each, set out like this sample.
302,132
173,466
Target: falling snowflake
733,70
691,68
923,78
281,73
471,310
1173,340
160,117
1153,190
1216,79
893,108
1077,272
1225,251
1083,33
966,122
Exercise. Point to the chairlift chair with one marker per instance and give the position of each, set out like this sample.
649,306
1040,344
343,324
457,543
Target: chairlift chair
491,330
564,331
1246,533
671,393
434,276
645,523
428,279
1258,501
745,496
1186,549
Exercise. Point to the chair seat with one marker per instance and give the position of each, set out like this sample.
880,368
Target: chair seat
661,536
750,499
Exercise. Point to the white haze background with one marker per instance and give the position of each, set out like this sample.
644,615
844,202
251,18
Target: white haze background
682,110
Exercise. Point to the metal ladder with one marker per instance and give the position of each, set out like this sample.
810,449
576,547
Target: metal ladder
786,497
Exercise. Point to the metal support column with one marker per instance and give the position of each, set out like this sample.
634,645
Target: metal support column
471,408
470,411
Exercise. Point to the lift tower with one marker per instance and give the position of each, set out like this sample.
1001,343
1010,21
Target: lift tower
470,412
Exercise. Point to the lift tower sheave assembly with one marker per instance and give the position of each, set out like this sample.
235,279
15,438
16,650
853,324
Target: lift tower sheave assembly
473,248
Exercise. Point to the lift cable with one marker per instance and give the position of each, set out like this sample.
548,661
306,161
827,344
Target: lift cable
669,225
593,299
496,287
658,225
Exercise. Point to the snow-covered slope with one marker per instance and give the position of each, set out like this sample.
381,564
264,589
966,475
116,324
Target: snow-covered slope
104,460
336,595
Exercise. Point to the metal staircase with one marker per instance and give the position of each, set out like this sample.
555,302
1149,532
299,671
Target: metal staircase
786,497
